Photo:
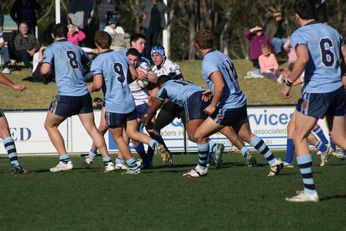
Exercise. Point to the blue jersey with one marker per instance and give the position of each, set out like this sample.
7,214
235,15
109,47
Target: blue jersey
232,96
113,66
67,61
322,72
178,91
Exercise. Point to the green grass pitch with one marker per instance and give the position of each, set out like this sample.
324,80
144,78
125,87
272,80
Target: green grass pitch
232,198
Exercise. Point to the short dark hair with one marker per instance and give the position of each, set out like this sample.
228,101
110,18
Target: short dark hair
305,9
103,39
132,51
162,79
134,37
60,30
204,39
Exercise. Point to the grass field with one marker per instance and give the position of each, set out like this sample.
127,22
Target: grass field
232,198
39,96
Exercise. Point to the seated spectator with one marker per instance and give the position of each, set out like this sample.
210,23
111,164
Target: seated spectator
275,29
269,65
74,35
112,29
4,56
25,45
257,38
37,63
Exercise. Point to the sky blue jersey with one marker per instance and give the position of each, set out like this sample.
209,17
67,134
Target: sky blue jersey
178,91
322,72
113,66
232,96
67,61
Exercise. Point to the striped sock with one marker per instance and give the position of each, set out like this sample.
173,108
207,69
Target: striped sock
332,144
245,151
305,163
260,146
107,160
319,133
153,144
132,163
64,158
203,150
322,147
92,154
11,150
289,150
119,161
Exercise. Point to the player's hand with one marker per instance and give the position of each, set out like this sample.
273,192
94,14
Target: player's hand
19,87
142,75
206,95
210,109
285,92
90,87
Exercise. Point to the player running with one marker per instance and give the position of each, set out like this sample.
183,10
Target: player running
227,107
5,131
318,53
111,68
67,60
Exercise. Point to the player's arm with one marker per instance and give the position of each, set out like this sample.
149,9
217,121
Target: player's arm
133,72
298,68
152,77
343,65
4,80
96,84
219,85
45,69
154,106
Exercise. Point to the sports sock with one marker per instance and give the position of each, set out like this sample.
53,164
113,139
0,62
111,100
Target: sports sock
161,141
245,151
260,146
305,163
153,144
203,150
119,161
132,163
11,150
289,150
141,152
64,158
321,147
319,133
212,146
332,144
92,154
150,154
107,160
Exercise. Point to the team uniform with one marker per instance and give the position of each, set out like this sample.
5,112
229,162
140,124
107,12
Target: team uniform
168,68
323,92
232,105
119,102
73,96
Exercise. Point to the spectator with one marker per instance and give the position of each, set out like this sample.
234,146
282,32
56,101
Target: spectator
81,12
269,65
257,38
4,56
25,11
25,44
74,35
275,29
292,57
1,20
106,10
113,27
37,63
153,20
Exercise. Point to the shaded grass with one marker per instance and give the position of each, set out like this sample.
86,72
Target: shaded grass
232,198
39,96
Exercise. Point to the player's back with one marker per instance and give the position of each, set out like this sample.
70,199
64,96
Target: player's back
322,72
232,96
178,91
113,65
67,60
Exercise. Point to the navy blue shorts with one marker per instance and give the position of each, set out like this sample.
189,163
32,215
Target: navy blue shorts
229,117
67,106
319,105
118,120
195,107
142,110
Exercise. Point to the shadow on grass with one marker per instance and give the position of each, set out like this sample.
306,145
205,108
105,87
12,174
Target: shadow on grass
343,197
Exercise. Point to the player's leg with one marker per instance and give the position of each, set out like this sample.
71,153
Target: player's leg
120,163
87,120
337,127
242,128
303,126
9,144
290,144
